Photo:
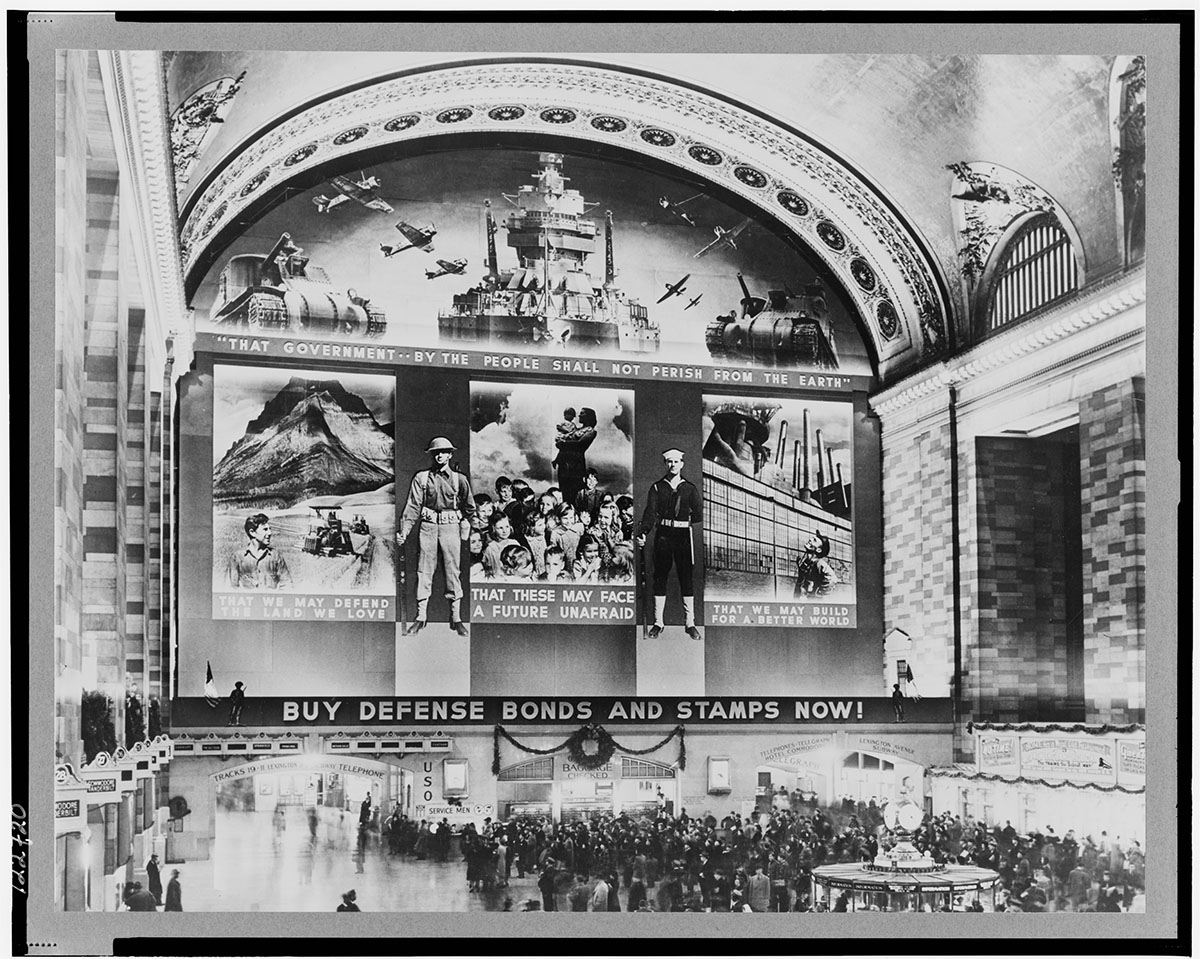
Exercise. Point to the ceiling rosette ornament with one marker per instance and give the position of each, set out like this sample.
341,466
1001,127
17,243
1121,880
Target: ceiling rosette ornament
768,167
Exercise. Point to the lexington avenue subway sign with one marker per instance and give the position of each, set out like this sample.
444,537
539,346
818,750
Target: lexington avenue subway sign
384,711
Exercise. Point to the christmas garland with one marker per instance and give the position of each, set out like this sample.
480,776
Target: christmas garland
1054,728
992,777
589,747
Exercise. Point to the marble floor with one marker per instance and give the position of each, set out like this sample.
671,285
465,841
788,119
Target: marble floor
255,870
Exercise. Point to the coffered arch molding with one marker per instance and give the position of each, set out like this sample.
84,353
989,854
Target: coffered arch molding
765,166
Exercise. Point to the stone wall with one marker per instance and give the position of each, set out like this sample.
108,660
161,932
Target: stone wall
918,546
107,435
1051,553
71,181
1113,470
1026,497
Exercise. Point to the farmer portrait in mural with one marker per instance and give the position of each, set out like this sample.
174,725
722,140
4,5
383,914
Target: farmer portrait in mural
303,493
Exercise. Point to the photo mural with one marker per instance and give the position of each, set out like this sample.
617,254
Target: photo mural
553,471
542,255
303,495
539,299
779,544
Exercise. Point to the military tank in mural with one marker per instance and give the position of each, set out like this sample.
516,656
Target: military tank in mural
282,292
549,298
782,329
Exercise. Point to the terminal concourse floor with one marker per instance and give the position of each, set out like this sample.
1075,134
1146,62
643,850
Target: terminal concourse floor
254,871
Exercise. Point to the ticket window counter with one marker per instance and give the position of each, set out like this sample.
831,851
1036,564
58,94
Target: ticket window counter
572,792
526,789
583,810
583,799
516,811
637,797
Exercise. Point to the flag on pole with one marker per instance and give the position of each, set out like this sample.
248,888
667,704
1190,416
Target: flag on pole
913,692
210,687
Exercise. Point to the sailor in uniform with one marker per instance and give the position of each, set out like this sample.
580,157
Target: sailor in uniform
672,506
441,504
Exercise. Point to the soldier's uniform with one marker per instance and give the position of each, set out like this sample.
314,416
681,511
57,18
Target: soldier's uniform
441,503
670,513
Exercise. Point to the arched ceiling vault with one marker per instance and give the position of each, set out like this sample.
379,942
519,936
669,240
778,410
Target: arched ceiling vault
784,176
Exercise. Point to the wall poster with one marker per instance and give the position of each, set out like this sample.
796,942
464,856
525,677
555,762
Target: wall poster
778,530
303,495
552,471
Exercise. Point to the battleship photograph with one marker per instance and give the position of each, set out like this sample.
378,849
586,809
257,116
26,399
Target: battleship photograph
531,253
550,297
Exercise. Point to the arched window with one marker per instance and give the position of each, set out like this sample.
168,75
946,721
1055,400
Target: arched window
641,769
1033,266
532,770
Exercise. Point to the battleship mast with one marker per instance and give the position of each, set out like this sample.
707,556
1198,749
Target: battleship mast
549,296
610,270
492,261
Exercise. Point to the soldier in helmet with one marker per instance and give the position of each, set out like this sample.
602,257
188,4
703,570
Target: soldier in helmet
440,503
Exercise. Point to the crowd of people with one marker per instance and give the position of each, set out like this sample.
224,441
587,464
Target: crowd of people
764,863
137,898
523,536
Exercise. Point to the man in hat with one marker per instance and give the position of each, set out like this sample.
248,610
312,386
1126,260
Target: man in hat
153,880
672,506
441,504
140,900
237,699
174,893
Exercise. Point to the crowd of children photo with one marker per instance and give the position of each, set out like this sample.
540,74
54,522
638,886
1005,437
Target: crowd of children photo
573,532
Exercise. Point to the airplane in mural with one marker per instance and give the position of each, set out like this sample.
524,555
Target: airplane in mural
414,238
674,289
676,208
364,190
693,302
725,238
447,267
